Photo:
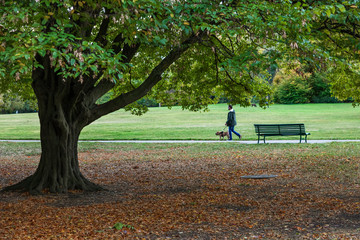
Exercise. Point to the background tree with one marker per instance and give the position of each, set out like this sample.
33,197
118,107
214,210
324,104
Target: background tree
345,81
176,51
336,30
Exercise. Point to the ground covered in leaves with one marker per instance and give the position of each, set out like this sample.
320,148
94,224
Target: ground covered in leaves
184,191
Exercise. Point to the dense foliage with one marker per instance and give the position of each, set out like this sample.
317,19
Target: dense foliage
85,39
293,91
14,104
345,81
314,88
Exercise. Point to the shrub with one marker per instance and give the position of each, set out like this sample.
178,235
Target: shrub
148,102
13,104
291,91
320,89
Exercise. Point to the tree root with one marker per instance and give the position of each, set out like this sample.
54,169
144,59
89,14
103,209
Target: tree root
36,186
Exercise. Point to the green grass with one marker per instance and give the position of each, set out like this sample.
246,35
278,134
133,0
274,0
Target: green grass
323,121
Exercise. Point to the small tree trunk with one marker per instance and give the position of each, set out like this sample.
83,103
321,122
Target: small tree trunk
58,170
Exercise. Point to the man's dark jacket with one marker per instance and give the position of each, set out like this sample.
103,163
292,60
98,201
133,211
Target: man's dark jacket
231,119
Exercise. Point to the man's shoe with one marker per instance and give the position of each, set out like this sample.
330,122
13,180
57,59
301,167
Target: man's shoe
240,137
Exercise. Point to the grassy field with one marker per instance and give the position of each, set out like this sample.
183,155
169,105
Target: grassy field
323,121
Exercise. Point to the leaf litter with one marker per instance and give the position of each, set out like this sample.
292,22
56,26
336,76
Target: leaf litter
179,192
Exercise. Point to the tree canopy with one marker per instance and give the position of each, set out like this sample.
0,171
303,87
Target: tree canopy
182,52
121,42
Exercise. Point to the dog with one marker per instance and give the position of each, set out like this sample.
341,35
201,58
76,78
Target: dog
222,134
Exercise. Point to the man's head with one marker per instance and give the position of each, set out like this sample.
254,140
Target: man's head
230,107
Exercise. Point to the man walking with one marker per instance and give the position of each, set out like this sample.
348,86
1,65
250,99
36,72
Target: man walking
231,122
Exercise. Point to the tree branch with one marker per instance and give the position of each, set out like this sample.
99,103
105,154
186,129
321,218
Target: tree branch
85,26
227,50
129,51
154,77
117,43
103,30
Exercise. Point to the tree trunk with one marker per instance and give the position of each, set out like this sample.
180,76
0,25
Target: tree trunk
63,113
58,170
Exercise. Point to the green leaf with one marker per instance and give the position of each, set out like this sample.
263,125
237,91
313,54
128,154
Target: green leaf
317,12
162,41
332,9
328,12
44,21
55,54
341,8
120,226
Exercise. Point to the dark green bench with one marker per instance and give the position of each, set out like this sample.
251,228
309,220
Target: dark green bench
265,130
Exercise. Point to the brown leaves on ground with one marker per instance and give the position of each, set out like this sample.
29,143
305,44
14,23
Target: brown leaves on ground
177,192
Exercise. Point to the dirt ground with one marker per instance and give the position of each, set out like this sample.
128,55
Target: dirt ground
151,195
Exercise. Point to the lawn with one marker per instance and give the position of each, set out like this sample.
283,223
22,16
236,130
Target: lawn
323,121
190,191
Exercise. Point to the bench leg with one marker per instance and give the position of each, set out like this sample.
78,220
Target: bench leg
258,139
300,138
264,139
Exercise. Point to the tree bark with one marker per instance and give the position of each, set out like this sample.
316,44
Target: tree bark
58,170
63,114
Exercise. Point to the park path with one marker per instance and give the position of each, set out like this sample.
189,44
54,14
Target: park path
195,141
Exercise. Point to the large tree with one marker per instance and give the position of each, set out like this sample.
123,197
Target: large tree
176,51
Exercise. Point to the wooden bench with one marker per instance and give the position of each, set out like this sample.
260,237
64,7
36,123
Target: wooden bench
264,130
